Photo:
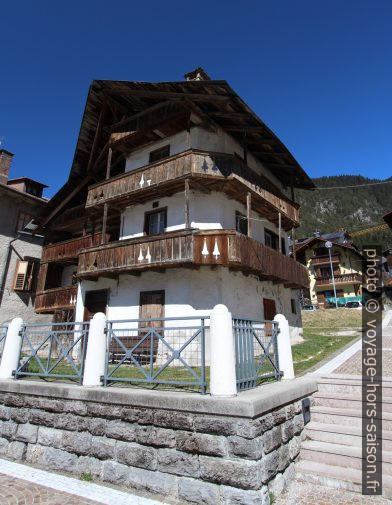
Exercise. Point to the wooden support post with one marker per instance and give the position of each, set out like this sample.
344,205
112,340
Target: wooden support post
293,242
280,232
244,147
109,163
248,213
104,221
292,190
187,217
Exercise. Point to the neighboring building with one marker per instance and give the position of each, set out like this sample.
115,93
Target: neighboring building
388,219
346,264
176,201
20,201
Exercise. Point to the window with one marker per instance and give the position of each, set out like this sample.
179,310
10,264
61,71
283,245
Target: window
272,240
24,272
158,154
155,222
293,306
23,220
241,223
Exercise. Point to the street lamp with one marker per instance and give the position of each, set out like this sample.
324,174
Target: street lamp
328,245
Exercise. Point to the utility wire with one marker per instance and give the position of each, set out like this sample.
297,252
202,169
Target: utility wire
355,186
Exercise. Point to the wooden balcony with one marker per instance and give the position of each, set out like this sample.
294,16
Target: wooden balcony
324,259
69,249
215,171
54,299
339,279
191,248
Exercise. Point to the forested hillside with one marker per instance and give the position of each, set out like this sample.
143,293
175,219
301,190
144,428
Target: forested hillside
350,208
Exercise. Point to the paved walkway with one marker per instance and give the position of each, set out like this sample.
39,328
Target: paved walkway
24,485
301,493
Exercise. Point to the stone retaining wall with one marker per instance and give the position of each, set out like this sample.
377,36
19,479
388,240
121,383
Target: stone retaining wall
186,454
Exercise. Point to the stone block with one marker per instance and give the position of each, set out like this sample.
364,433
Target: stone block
14,400
289,474
104,410
201,443
236,473
121,431
50,405
277,484
42,418
174,420
269,466
227,426
5,413
27,433
114,472
287,430
97,426
50,437
8,429
178,463
56,459
245,448
291,410
136,455
88,464
157,437
294,447
140,416
77,442
20,415
153,482
272,439
195,491
298,423
234,496
67,422
279,416
266,422
3,446
103,447
34,454
16,450
284,457
75,407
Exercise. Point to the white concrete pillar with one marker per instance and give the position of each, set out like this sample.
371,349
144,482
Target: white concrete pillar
94,366
284,347
222,365
11,349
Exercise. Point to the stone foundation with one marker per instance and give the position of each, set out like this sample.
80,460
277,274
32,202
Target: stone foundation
185,447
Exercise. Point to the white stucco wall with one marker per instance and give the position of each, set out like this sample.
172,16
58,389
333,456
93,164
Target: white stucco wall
212,211
194,293
66,277
202,139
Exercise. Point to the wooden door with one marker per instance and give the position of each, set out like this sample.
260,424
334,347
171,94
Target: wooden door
152,306
95,301
269,308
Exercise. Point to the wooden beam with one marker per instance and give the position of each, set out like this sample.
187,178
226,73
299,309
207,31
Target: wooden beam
244,128
236,115
199,187
109,162
248,213
104,222
97,135
170,95
140,114
280,231
187,218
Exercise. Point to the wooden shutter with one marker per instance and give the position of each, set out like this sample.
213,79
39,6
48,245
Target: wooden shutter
24,272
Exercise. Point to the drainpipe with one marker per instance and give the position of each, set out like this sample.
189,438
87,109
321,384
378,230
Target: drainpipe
7,258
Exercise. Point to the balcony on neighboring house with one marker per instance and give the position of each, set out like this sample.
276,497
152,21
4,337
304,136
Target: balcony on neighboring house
191,248
324,259
206,171
56,299
353,278
68,249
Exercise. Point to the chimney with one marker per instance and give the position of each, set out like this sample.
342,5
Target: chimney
316,233
5,163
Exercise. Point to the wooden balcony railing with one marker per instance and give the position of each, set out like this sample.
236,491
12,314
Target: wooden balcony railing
59,298
324,259
339,279
68,249
192,248
214,170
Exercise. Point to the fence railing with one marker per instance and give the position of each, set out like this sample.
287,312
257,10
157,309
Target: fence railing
3,334
53,350
167,351
153,352
256,351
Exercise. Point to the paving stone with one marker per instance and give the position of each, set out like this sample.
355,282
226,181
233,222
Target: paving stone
194,491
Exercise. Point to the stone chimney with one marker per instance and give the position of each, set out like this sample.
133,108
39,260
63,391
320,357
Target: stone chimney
5,163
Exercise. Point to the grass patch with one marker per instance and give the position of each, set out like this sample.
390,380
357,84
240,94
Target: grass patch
86,476
321,337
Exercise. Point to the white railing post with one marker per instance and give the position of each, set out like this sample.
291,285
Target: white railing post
94,366
284,347
11,349
222,358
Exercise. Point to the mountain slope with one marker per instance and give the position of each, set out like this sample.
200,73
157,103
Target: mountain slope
350,208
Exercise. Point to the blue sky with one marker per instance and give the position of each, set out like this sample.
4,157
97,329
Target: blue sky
318,72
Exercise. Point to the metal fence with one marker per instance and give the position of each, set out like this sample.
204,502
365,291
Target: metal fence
256,350
166,351
53,350
3,334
